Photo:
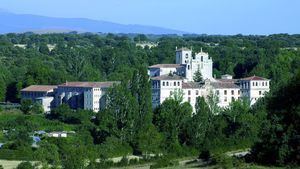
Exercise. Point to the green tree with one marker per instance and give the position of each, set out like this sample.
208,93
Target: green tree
200,123
197,76
48,153
37,108
170,117
2,90
149,140
26,106
279,143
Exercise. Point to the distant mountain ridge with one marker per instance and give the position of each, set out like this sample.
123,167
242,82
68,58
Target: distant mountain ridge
17,23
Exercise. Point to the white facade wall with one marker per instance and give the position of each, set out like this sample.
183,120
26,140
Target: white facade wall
226,95
254,89
92,99
46,103
204,64
183,56
191,94
167,87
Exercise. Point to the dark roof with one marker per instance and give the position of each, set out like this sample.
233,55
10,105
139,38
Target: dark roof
191,85
39,88
254,78
166,66
167,77
183,49
89,84
224,85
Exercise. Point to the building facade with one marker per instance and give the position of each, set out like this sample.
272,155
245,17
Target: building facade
169,78
78,95
43,94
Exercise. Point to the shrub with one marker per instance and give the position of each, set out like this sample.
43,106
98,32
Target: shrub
25,165
205,155
165,162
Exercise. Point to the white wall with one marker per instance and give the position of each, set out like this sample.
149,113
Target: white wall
254,89
226,95
167,86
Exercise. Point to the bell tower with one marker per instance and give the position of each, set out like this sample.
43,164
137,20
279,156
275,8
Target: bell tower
183,55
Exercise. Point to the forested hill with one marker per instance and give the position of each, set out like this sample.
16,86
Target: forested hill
27,59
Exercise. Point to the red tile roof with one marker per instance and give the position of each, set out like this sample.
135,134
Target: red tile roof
89,84
254,78
39,88
166,66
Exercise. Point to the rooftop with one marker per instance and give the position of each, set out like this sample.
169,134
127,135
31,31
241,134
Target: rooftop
166,66
39,88
183,49
167,77
191,85
89,84
254,78
224,85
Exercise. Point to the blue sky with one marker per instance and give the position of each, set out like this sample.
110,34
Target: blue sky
195,16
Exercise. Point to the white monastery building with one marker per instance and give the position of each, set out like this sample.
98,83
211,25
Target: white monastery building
168,78
165,78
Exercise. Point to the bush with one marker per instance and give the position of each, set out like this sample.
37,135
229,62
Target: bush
164,162
205,155
223,161
25,165
114,147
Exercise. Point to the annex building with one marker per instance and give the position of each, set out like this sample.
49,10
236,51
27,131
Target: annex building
169,78
78,95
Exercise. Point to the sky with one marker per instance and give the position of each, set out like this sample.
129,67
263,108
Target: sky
195,16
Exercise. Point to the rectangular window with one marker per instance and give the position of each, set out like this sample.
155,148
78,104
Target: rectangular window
256,84
174,83
253,84
225,99
178,83
189,92
239,92
259,92
189,99
167,83
225,92
163,83
217,92
232,99
197,92
232,92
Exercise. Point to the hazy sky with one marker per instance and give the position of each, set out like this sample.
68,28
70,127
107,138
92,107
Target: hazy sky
198,16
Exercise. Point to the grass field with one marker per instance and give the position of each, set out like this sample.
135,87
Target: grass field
10,164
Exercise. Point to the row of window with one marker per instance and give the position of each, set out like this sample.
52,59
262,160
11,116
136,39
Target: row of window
96,89
247,84
169,84
225,92
232,99
197,92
